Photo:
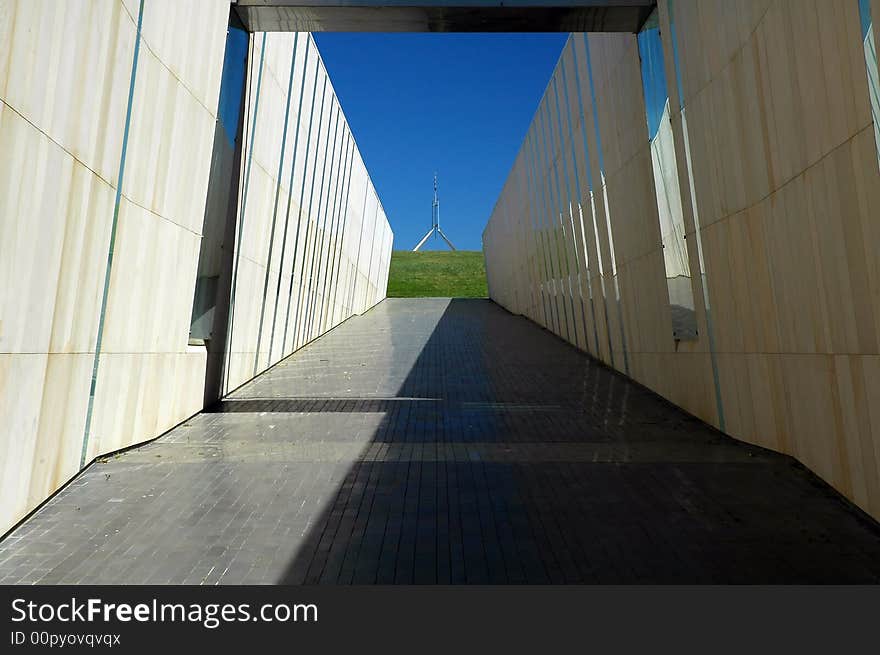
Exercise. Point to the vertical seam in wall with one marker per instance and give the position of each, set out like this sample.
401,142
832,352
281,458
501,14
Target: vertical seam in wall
302,270
530,193
343,215
357,259
275,208
318,252
247,179
553,182
704,280
573,245
537,209
113,228
299,208
558,229
566,248
704,277
541,202
341,244
531,153
302,89
552,240
372,248
332,232
339,236
579,191
336,172
303,328
604,189
320,223
541,199
599,267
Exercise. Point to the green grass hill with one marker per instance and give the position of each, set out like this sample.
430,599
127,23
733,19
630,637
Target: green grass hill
459,274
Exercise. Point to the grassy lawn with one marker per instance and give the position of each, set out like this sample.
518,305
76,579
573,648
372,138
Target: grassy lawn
459,274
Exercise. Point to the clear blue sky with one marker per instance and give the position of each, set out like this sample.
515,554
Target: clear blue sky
458,104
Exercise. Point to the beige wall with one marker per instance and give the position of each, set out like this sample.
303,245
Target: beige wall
330,190
65,70
777,144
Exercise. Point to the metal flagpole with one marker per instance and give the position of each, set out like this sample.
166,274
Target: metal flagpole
435,222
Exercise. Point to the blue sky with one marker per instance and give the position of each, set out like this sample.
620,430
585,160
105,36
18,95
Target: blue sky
457,104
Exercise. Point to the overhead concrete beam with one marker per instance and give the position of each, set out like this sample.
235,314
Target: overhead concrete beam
431,16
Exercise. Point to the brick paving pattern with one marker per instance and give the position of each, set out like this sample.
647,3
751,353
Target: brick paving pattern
436,441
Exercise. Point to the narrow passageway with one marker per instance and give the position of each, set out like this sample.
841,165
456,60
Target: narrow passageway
443,441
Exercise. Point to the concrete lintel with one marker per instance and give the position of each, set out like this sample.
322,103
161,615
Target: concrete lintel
432,16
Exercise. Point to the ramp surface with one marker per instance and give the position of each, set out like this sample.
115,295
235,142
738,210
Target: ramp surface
444,441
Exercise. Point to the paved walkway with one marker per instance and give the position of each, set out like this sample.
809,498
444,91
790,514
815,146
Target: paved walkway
437,441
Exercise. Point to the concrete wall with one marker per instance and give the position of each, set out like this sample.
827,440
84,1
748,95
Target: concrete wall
316,245
780,192
66,69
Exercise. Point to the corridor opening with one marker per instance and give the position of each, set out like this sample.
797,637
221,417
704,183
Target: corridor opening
691,217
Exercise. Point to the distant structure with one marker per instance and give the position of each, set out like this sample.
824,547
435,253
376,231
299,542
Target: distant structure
435,221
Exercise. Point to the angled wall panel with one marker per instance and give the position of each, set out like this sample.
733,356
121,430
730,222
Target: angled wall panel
769,123
95,357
